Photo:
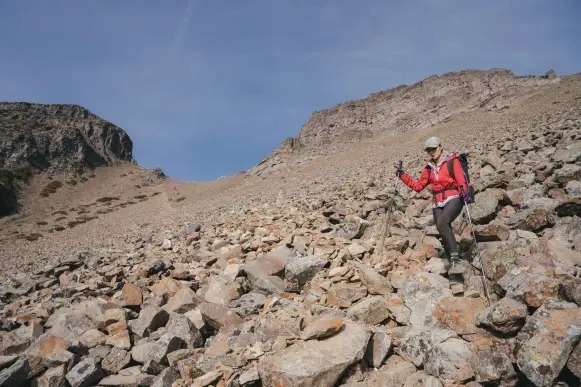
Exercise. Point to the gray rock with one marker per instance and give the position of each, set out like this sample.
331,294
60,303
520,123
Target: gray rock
573,188
571,289
267,265
7,361
378,348
53,377
249,376
372,310
181,326
116,360
375,282
157,351
71,325
135,380
506,316
545,342
450,361
398,310
416,343
494,367
218,316
569,154
18,340
421,293
16,374
567,173
150,318
301,270
396,374
498,259
166,378
485,207
250,303
183,301
315,362
221,290
269,284
86,373
529,284
421,378
574,362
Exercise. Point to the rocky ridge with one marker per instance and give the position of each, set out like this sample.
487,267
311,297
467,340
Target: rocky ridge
36,137
58,137
301,293
426,103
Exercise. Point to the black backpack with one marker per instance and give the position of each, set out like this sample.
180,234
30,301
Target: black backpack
463,158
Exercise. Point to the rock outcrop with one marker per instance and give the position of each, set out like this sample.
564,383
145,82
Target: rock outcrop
58,137
431,101
35,137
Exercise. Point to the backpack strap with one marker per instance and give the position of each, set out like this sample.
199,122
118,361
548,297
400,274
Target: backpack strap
450,164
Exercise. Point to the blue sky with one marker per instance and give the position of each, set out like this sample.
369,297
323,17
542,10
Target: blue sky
209,88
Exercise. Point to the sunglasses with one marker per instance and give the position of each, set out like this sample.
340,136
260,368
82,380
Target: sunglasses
431,150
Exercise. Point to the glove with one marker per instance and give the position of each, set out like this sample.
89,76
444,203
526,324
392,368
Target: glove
465,196
399,170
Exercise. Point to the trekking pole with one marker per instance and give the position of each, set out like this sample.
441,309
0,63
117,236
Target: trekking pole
389,211
469,217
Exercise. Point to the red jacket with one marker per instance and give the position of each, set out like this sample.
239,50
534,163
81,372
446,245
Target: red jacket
443,186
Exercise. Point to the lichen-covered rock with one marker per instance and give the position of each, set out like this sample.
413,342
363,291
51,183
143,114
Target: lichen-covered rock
545,342
493,367
459,313
301,270
506,316
530,284
450,361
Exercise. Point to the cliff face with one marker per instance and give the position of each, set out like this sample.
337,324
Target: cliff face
434,100
35,137
59,137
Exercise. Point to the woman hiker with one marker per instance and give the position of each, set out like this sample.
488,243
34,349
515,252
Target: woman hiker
449,194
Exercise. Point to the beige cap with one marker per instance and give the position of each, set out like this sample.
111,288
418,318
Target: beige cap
432,142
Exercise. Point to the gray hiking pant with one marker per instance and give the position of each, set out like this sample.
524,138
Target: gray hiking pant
443,217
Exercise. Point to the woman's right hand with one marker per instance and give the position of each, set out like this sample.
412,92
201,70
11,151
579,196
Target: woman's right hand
399,169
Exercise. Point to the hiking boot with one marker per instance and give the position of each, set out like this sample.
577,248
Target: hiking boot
456,266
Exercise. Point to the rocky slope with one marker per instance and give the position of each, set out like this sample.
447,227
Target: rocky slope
289,281
35,137
431,101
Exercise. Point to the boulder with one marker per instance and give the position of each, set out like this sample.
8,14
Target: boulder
547,339
494,368
86,373
301,270
16,374
459,313
322,328
506,316
316,362
450,361
375,282
372,310
378,348
530,284
485,206
421,293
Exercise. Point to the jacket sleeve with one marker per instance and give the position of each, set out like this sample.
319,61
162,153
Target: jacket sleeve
416,185
459,176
